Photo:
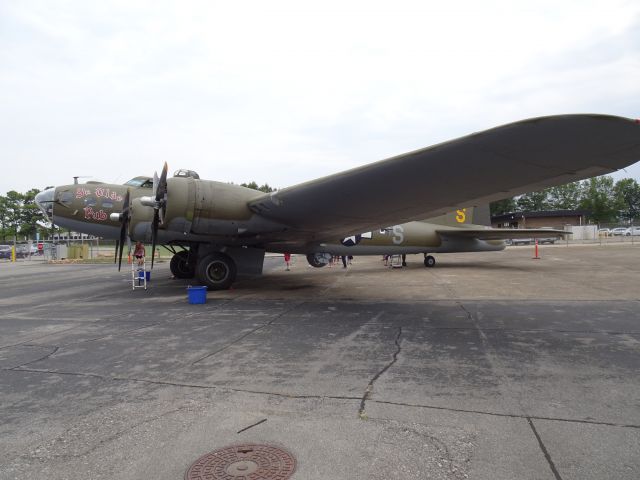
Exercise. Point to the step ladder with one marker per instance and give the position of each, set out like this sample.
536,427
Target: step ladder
396,261
138,281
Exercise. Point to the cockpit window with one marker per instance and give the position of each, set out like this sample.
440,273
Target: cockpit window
90,201
143,182
186,173
66,198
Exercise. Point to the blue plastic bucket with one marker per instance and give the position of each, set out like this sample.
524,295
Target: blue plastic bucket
142,274
197,295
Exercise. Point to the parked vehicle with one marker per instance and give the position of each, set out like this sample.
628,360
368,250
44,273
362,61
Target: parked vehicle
618,231
521,241
632,231
26,250
528,241
604,232
550,240
5,251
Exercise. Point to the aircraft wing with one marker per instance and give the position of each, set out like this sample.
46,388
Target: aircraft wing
502,233
476,169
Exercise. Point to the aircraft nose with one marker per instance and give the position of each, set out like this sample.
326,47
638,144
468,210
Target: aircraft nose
44,200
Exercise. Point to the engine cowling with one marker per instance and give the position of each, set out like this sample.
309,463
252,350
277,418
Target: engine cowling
196,209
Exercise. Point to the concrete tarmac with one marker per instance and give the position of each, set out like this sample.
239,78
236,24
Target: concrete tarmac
488,366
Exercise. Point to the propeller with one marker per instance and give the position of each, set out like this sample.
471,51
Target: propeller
159,207
124,217
158,201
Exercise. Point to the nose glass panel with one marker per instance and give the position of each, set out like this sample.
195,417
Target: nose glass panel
44,200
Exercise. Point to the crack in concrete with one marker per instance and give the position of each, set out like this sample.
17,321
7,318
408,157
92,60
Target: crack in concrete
242,337
506,415
323,397
115,436
251,426
552,466
55,349
489,352
367,393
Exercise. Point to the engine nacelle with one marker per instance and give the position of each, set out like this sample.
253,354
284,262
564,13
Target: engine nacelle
204,207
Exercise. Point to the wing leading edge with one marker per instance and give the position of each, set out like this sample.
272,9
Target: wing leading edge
475,169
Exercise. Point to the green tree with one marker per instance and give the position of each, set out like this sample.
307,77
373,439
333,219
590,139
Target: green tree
12,210
4,220
599,198
19,215
534,201
564,197
263,188
30,214
627,198
501,207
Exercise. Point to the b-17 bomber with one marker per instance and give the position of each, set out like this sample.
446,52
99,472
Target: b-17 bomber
425,201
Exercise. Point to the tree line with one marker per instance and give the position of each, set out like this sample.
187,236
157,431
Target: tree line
20,217
605,201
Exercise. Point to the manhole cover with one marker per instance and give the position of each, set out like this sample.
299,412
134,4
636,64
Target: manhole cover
244,462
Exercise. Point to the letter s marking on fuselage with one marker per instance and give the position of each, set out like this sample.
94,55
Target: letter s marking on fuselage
461,215
398,234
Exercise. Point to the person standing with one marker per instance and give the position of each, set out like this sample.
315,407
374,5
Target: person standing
287,260
139,252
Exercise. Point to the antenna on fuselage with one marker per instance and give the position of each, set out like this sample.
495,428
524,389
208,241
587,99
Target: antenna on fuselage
75,179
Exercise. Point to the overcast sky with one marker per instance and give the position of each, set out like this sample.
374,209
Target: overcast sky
280,92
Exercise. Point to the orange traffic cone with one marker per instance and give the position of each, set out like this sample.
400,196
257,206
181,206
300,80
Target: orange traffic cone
537,257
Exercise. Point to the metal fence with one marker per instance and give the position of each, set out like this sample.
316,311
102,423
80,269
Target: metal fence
93,249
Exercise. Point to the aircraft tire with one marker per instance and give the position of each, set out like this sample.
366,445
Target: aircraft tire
217,271
179,266
429,261
316,261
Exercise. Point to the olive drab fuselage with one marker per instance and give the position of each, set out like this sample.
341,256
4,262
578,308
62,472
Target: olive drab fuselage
218,213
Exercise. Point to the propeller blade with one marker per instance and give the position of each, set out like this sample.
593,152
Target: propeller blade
160,192
155,183
121,245
124,229
154,236
160,213
162,183
115,254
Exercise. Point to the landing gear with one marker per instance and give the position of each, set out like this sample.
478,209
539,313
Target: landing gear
429,261
319,260
216,270
182,266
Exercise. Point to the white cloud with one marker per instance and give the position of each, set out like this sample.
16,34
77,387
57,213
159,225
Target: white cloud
281,92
